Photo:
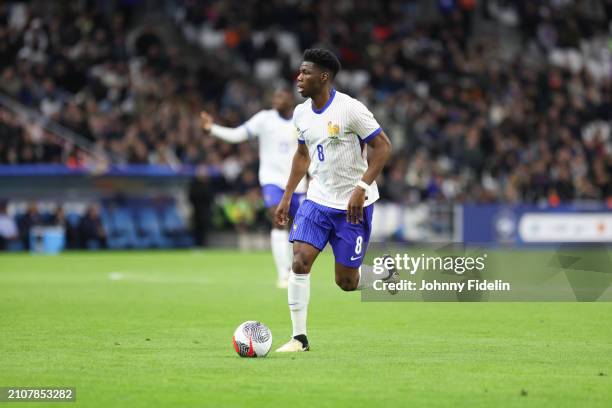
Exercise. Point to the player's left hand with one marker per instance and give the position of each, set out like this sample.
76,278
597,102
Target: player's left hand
206,121
354,212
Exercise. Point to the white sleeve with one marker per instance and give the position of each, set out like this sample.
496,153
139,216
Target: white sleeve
362,122
232,135
249,129
300,134
254,125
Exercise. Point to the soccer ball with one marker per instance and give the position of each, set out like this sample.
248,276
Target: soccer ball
252,339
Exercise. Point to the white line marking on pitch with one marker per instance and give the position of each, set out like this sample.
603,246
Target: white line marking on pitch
122,276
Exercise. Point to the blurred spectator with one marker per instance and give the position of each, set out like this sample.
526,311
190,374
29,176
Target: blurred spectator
58,218
473,114
201,196
90,230
27,221
246,212
8,228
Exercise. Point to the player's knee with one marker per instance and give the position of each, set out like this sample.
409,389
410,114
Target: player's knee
300,265
346,283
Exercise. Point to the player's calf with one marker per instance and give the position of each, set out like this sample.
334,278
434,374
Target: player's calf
347,285
347,278
350,279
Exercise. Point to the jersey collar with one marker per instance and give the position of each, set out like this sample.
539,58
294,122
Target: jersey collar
329,101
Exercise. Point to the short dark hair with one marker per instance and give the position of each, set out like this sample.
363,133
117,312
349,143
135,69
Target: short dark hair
324,59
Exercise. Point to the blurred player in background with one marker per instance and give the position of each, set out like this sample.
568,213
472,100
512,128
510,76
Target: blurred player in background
333,131
277,143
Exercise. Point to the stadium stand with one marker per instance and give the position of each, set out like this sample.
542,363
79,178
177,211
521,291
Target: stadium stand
492,102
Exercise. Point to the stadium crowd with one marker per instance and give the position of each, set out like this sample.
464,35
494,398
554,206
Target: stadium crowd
470,119
81,232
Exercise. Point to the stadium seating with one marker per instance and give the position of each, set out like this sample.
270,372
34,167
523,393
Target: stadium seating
120,228
174,228
138,224
149,228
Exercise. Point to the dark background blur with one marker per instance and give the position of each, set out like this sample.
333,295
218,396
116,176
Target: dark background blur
505,102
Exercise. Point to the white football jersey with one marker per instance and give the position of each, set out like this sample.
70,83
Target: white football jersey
277,145
336,138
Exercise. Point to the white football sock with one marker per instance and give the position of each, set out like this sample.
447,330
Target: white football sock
279,238
298,295
367,276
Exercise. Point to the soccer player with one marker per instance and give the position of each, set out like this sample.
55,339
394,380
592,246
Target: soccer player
277,142
334,131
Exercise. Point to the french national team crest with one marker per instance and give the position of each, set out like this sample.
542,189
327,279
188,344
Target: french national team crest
333,131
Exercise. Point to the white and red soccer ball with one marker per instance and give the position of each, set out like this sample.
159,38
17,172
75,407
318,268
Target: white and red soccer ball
252,339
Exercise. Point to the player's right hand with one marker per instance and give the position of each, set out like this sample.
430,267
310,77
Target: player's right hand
206,121
354,211
282,212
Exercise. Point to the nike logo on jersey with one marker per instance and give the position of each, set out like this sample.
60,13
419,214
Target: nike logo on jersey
353,258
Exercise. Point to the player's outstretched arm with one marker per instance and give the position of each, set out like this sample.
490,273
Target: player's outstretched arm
299,168
377,158
231,135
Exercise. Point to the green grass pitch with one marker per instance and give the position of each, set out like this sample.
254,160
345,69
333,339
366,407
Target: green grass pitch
159,335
